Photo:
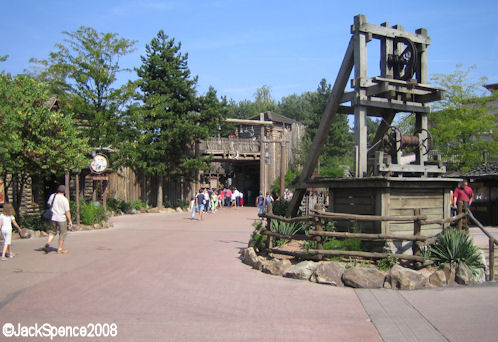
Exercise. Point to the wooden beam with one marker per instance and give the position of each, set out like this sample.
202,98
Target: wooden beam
357,217
250,122
324,128
368,236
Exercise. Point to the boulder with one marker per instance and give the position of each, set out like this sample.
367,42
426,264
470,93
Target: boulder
153,211
463,274
405,278
179,210
249,257
437,279
449,272
363,277
276,266
329,273
303,270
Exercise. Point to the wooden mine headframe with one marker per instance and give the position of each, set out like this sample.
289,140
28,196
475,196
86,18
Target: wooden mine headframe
401,87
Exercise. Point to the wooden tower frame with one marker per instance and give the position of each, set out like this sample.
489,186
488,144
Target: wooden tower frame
383,96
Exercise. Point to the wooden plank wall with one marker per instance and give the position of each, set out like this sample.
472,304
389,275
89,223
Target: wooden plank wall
404,202
355,201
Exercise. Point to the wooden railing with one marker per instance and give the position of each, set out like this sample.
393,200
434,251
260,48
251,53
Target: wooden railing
319,235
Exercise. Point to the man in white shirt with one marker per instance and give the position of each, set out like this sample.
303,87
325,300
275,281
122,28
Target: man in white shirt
58,224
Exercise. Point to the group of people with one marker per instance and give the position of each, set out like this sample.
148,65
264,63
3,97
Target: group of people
209,200
264,203
59,223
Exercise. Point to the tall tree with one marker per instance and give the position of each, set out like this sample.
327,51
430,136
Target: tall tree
34,140
338,148
171,118
464,122
83,72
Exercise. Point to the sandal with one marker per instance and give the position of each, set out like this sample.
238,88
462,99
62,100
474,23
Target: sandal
62,251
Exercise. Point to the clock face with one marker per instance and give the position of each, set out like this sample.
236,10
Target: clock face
99,163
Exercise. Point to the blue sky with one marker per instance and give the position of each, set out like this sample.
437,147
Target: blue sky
238,46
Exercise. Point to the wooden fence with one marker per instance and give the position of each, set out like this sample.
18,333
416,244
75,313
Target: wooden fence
319,235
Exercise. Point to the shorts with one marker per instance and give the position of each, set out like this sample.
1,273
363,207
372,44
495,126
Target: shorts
58,228
7,237
201,207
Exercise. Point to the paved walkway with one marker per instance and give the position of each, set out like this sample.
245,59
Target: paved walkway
163,277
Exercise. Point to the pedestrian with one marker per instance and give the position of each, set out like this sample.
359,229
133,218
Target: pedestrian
192,207
61,215
228,197
260,204
463,196
269,203
214,200
236,194
7,219
207,201
200,203
241,199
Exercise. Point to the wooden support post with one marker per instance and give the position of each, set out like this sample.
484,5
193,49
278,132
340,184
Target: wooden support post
77,199
269,238
417,231
67,180
360,113
318,228
324,127
491,259
282,169
262,172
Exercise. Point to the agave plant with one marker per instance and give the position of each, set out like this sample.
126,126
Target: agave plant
452,247
285,228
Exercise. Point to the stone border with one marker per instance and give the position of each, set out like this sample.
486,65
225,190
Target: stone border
337,274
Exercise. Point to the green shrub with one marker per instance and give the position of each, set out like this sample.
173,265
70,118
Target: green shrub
285,228
137,205
453,247
34,223
112,204
91,212
347,244
387,263
279,207
124,206
257,240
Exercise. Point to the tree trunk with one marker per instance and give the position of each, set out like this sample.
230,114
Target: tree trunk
160,181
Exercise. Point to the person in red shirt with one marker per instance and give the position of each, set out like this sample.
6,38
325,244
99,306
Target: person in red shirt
463,196
463,193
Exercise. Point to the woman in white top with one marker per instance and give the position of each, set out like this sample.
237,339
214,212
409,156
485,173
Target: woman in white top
7,219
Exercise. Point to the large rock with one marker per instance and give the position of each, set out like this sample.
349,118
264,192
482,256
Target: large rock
405,278
437,279
363,277
449,272
276,266
153,211
249,257
329,273
303,270
463,274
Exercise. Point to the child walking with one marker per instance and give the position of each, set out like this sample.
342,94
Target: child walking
6,220
192,208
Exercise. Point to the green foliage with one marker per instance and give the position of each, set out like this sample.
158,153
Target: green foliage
35,140
309,108
257,241
462,119
34,223
171,119
452,247
387,263
279,207
137,205
83,72
285,228
347,244
291,175
91,213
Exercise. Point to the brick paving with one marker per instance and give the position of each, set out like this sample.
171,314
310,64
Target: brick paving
164,277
